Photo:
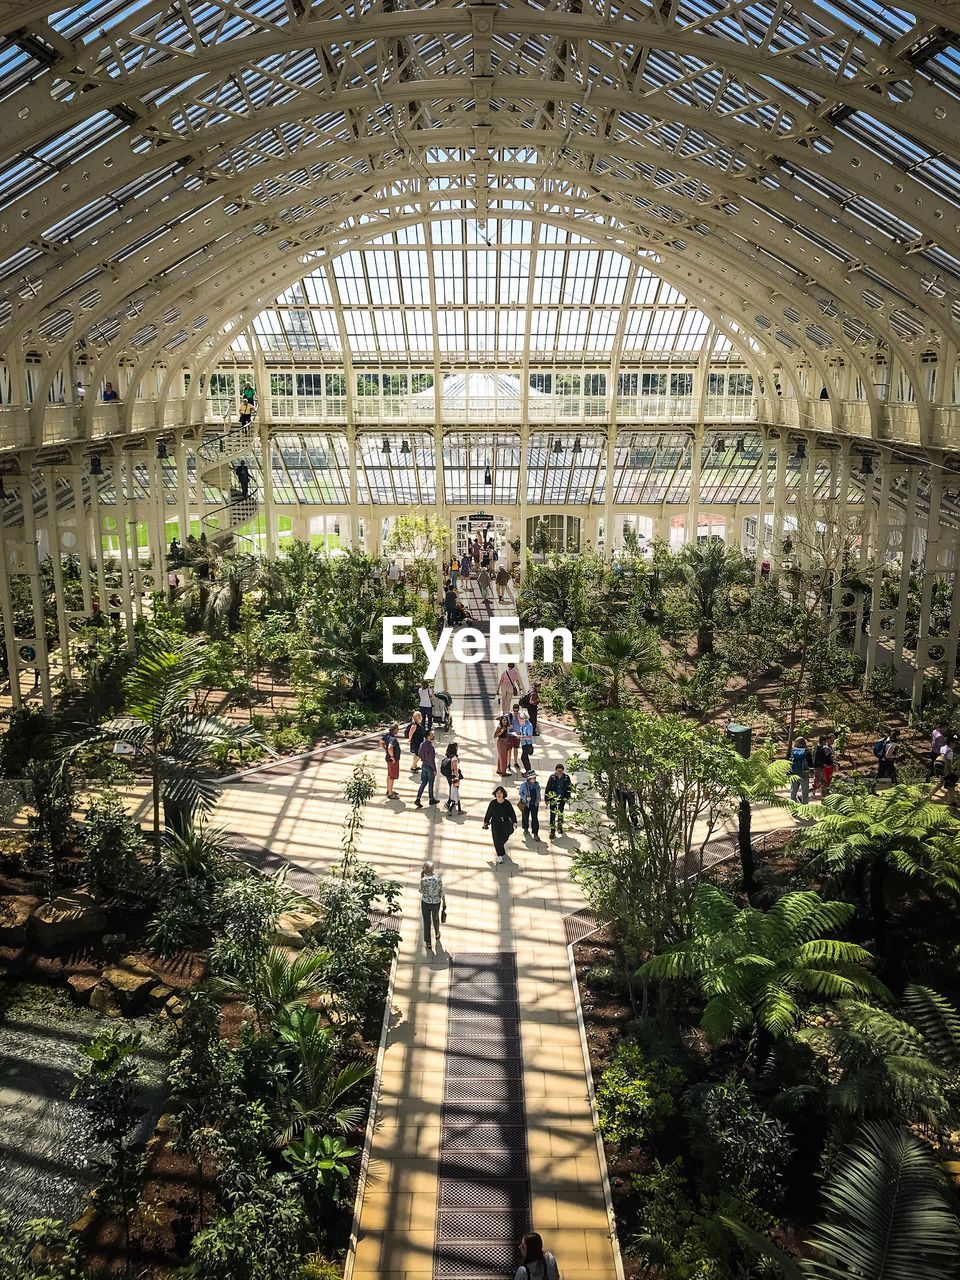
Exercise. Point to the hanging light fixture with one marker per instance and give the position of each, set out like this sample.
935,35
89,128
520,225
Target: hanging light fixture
800,451
741,445
404,446
162,454
719,444
558,447
488,476
577,446
385,447
95,468
866,464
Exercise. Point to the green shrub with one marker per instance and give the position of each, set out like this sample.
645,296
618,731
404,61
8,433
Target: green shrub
113,848
679,1240
316,1267
636,1095
604,977
743,1150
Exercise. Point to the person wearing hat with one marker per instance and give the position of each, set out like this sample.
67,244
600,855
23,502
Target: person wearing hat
501,819
530,796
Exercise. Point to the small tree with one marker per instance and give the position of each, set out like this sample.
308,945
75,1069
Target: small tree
108,1086
113,846
360,787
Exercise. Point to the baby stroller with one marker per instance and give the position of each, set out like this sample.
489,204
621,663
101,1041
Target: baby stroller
442,702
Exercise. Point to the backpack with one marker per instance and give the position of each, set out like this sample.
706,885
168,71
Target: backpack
798,762
525,700
879,747
446,766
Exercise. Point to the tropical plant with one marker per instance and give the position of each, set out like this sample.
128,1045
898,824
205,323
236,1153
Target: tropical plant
315,1092
113,848
175,741
615,658
360,786
320,1165
636,1095
887,1216
759,779
753,966
743,1149
875,1065
275,982
877,845
39,1249
710,570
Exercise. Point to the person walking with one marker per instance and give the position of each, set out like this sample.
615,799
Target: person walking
391,750
819,757
558,791
428,769
508,688
483,582
530,796
503,579
524,731
501,820
243,478
503,738
433,902
425,704
394,574
415,736
801,762
450,603
946,770
454,572
829,764
536,1263
937,742
887,751
450,769
533,705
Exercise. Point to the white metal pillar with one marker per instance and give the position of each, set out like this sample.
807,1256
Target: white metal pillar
910,519
56,561
119,467
269,508
693,500
608,494
930,572
522,494
183,488
881,546
82,530
779,506
440,495
354,485
867,540
762,475
31,567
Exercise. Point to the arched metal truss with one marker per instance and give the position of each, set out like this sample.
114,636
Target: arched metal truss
169,168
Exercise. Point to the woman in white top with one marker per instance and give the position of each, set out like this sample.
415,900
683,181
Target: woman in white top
536,1264
425,702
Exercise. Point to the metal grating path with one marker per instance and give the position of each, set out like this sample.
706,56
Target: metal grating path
483,1192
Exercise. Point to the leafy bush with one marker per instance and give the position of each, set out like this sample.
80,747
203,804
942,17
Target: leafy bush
679,1239
604,977
40,1249
317,1267
113,848
743,1150
636,1096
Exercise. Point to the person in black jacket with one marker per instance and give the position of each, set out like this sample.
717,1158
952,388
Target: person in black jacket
558,791
501,819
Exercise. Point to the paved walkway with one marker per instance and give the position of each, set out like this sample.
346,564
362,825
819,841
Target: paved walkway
516,908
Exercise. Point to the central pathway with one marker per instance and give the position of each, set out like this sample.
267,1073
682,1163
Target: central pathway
484,1124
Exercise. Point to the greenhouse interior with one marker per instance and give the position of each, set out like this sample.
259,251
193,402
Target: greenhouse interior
480,595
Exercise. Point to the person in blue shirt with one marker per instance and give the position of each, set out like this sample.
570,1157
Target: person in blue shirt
530,796
109,394
522,727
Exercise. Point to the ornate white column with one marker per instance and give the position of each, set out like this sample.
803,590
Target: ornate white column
693,500
779,505
269,508
353,483
881,546
910,520
31,567
56,552
608,494
931,570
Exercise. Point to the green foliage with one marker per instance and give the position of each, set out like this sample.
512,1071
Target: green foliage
192,867
258,1239
887,1213
40,1249
316,1091
680,1239
753,967
113,849
742,1149
711,572
359,956
636,1095
359,788
320,1165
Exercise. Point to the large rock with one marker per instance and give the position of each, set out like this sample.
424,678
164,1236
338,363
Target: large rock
15,916
132,983
69,918
82,986
105,1000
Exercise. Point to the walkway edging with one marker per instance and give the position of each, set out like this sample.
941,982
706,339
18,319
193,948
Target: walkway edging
595,1116
371,1120
278,761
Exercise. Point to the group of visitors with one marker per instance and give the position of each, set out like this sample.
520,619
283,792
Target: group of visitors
480,559
812,767
501,817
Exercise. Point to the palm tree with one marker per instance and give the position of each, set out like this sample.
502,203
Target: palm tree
169,735
314,1097
888,1216
710,570
274,982
881,842
619,656
751,966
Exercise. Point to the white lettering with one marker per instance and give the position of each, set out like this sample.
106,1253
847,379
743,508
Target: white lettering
469,645
392,635
433,653
548,639
504,639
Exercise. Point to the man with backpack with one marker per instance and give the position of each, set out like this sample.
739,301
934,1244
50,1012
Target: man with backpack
558,792
801,762
887,751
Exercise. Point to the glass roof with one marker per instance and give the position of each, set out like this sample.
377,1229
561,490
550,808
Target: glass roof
490,290
161,164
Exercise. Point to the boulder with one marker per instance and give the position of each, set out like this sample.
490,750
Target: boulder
82,986
159,995
67,919
104,999
174,1007
15,916
284,936
132,983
